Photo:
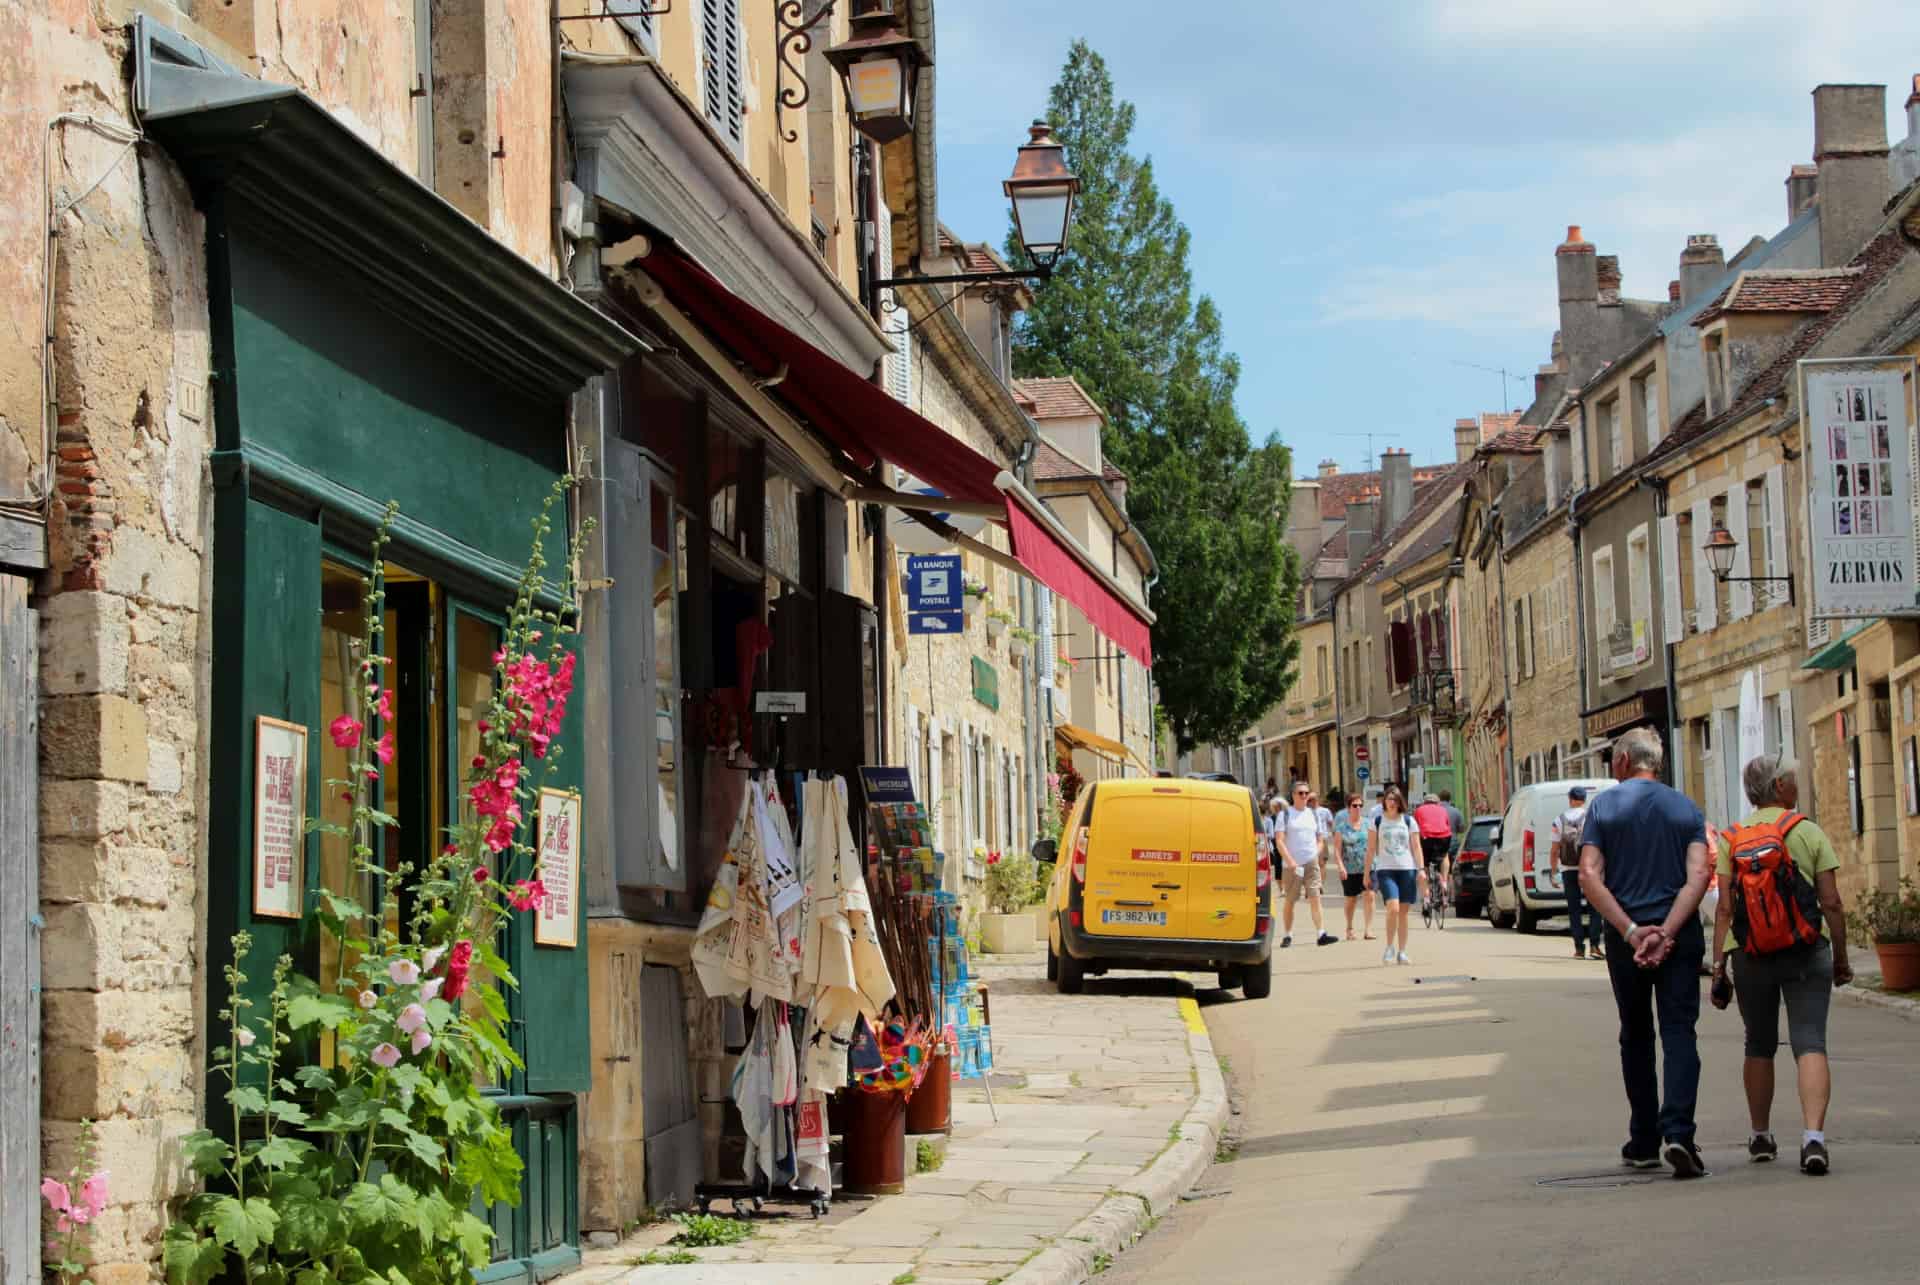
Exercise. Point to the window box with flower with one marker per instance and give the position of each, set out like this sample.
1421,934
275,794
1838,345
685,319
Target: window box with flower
1020,642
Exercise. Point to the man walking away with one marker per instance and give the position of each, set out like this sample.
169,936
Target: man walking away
1643,866
1303,844
1566,848
1781,899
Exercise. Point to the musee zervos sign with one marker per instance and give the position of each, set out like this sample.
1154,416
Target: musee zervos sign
1857,416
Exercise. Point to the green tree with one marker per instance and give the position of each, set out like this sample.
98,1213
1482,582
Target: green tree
1120,316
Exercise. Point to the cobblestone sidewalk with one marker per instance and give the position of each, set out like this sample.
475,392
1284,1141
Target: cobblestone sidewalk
1109,1104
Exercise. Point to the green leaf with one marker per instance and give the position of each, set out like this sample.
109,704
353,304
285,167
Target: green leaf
317,1078
242,1226
278,1152
495,965
309,1222
476,1239
190,1259
329,1011
287,1112
381,1206
380,818
247,1098
492,1165
429,1152
205,1154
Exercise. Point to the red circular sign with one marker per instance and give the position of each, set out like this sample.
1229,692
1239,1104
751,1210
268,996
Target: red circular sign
1361,754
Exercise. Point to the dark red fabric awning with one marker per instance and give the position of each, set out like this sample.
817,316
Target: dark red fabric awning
867,425
1041,552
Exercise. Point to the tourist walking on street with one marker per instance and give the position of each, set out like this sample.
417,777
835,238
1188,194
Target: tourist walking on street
1392,867
1643,866
1350,841
1304,847
1584,928
1788,942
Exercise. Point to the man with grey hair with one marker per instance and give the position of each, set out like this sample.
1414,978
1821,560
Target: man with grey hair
1802,977
1643,869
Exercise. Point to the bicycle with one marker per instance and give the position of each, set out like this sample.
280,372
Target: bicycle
1433,906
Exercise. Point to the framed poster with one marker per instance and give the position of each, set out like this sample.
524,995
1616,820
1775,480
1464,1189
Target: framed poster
279,817
1857,424
557,923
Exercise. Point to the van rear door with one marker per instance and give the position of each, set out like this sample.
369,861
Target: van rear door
1221,875
1137,870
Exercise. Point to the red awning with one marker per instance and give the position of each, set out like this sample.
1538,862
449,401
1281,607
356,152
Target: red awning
1040,551
867,425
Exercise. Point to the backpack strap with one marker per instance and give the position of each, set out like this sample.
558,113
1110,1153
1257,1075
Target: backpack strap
1786,823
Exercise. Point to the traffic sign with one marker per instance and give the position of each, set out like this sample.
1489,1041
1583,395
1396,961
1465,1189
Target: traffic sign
1361,753
1362,773
936,622
934,584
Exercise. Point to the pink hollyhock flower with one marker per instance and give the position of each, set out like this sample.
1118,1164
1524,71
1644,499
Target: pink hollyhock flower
500,833
346,796
244,1038
345,731
404,972
421,1039
412,1018
430,989
386,1055
481,874
459,960
431,960
93,1197
383,748
384,706
58,1198
368,999
527,894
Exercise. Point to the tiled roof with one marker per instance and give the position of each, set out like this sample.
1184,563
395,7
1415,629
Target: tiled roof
1338,489
1426,499
1782,290
1514,440
1434,538
1111,472
977,257
1055,398
1051,464
1871,266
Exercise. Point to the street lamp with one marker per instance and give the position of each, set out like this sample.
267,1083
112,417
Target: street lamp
1042,189
1721,547
878,62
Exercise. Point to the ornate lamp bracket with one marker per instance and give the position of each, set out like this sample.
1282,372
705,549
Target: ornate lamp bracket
793,37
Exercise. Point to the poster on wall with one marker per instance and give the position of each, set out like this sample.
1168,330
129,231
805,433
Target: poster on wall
558,921
279,817
1857,420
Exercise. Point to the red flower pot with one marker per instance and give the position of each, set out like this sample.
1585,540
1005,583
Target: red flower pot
1899,965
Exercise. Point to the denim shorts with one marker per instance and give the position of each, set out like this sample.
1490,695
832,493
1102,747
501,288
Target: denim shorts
1402,886
1803,980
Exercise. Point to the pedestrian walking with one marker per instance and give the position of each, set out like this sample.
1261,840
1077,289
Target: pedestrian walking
1304,846
1782,923
1391,866
1350,839
1643,866
1584,928
1436,843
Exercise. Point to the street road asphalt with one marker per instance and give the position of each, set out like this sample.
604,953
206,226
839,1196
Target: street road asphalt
1411,1125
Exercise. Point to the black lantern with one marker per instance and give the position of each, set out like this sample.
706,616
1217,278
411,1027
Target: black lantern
1042,190
1720,548
879,63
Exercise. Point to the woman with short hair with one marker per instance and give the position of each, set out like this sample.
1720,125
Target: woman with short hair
1350,832
1394,867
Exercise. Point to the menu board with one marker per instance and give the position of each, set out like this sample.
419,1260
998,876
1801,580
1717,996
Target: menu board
279,817
558,920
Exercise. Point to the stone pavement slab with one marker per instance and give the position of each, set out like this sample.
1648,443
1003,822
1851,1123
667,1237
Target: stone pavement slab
1106,1107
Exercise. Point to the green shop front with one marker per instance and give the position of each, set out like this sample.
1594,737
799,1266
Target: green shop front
371,344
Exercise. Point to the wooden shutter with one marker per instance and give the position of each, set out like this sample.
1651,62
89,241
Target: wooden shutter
1674,627
723,79
900,362
1400,651
1778,545
1787,737
1739,596
1706,613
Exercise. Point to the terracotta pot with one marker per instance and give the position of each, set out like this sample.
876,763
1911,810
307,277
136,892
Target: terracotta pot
1899,964
930,1109
876,1141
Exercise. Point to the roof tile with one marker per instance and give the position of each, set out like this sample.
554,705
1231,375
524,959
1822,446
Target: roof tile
1055,398
1782,290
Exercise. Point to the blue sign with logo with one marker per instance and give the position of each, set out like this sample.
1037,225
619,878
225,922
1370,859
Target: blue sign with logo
937,622
934,585
887,784
1362,772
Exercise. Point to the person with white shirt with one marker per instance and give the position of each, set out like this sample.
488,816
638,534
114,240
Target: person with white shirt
1393,867
1302,849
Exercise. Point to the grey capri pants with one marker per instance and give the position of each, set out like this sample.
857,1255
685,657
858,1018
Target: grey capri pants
1803,979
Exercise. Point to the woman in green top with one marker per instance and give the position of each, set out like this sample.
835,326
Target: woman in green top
1803,979
1350,831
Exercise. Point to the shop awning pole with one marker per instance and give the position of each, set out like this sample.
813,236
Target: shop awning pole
928,503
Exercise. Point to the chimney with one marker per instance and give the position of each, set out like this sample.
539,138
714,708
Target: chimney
1850,151
1396,488
1303,523
1673,292
1329,467
1606,270
1906,157
1803,184
1579,273
1359,529
1466,439
1702,263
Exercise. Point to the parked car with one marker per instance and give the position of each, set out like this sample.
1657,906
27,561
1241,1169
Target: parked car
1226,778
1162,875
1471,880
1523,877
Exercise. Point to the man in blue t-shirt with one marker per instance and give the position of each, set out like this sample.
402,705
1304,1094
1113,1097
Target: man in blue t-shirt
1643,869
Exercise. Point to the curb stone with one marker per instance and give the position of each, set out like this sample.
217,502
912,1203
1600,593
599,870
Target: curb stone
1123,1217
1907,1008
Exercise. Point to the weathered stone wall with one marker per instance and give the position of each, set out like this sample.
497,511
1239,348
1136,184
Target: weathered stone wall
1544,714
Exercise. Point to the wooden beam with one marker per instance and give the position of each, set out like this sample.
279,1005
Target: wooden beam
23,542
19,932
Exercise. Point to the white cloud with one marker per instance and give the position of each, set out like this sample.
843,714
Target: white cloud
1468,293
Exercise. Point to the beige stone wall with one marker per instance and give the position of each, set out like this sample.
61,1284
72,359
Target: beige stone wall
1546,712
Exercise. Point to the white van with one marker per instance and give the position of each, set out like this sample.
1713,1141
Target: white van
1526,884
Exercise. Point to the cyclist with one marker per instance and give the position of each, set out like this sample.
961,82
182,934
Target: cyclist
1436,844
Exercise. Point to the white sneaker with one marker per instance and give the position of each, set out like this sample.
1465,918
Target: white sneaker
1404,959
1386,956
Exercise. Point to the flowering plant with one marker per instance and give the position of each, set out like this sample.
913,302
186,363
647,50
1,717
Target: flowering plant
368,1164
75,1203
1012,884
1053,814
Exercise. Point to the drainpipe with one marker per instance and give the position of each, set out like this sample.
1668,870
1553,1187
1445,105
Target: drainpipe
1659,488
1339,714
1506,646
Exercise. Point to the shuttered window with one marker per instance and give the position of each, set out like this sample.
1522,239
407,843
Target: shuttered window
723,74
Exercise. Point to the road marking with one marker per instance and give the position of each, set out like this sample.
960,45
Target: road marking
1190,1014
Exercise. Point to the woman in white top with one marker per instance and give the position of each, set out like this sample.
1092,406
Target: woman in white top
1393,867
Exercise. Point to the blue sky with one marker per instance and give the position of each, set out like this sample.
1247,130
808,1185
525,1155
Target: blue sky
1375,189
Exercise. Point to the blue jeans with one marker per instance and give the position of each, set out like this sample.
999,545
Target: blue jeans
1587,934
1670,996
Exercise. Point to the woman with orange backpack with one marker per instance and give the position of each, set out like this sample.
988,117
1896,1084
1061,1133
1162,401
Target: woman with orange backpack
1781,919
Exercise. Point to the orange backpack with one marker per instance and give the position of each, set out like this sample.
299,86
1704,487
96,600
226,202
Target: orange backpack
1775,907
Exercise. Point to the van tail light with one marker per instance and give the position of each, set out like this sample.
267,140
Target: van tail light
1526,850
1262,925
1263,868
1080,855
